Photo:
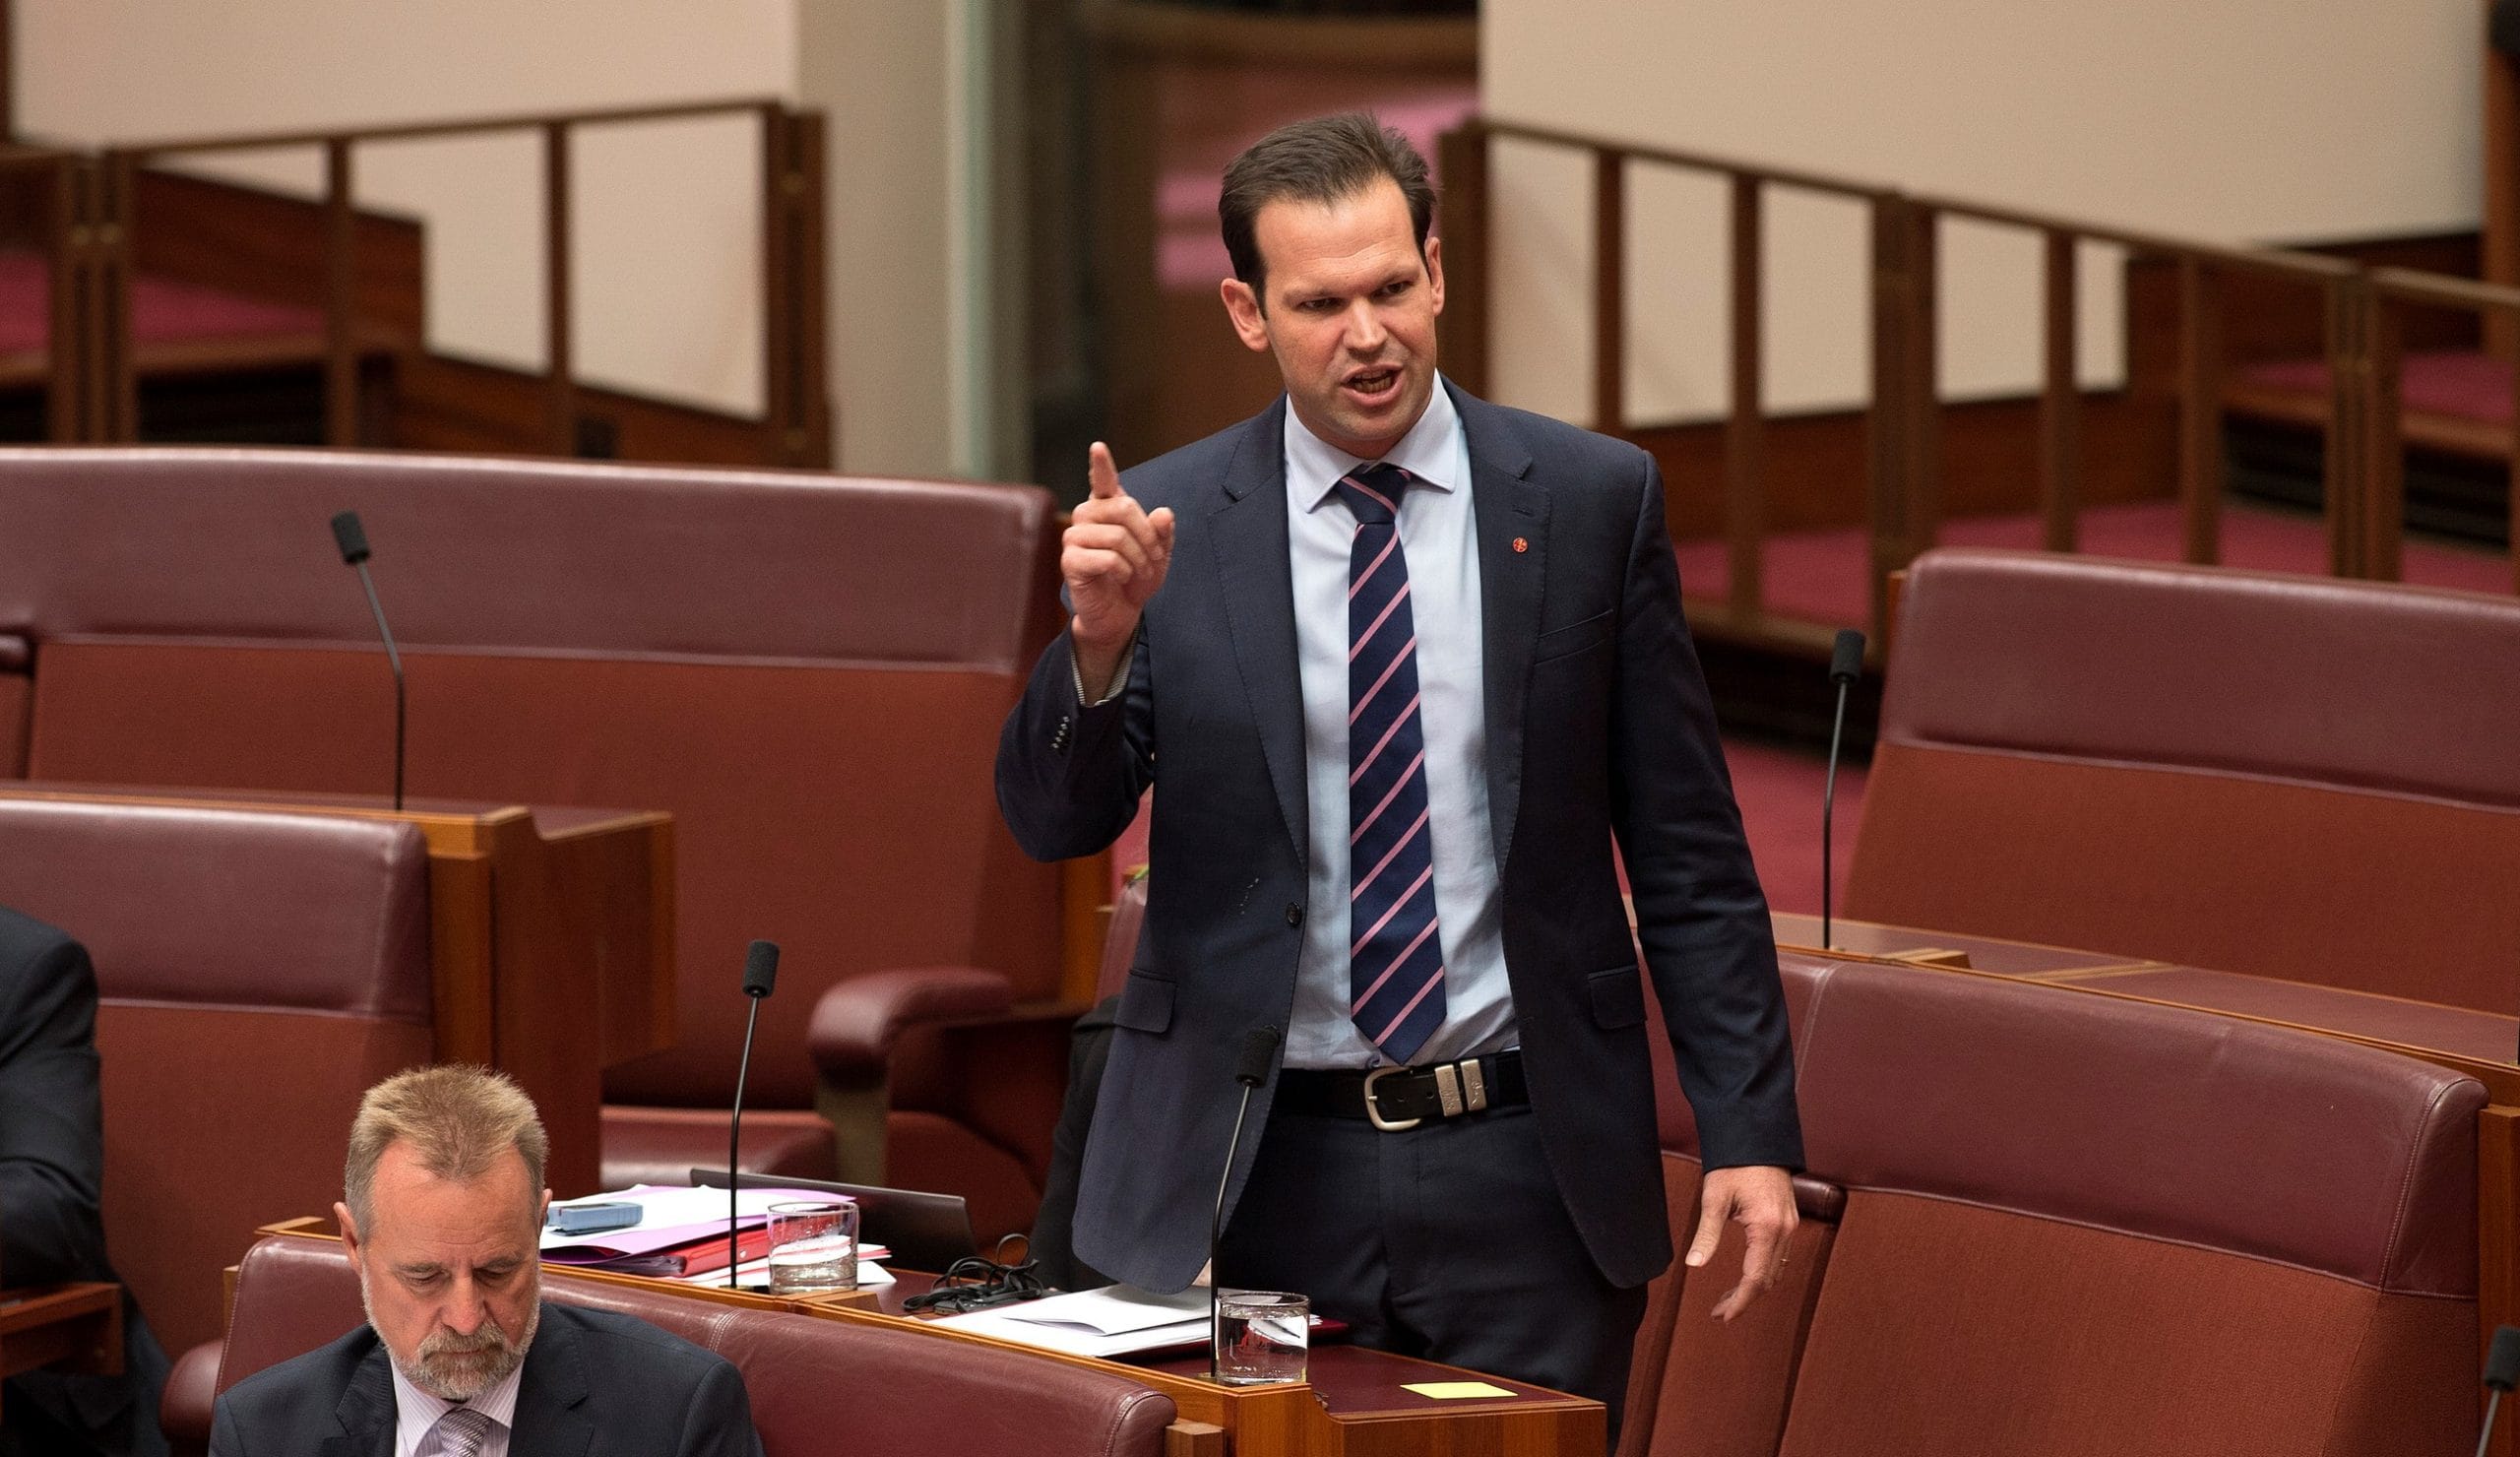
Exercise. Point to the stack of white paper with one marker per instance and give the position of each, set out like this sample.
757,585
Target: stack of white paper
1112,1321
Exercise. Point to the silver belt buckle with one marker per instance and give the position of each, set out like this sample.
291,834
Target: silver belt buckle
1373,1113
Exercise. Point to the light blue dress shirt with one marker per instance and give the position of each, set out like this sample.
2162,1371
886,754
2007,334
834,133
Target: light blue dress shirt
1439,540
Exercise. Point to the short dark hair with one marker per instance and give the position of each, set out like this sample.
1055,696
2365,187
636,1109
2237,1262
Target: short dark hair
1320,160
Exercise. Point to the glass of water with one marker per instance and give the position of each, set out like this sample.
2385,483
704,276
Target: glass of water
1261,1336
813,1247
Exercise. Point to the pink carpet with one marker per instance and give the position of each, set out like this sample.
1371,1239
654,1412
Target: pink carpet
2461,383
1823,576
162,309
1779,790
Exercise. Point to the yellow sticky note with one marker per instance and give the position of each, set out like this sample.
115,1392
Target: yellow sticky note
1455,1390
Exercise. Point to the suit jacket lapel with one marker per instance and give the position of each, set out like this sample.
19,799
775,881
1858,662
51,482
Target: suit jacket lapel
1247,529
548,1396
1509,508
366,1412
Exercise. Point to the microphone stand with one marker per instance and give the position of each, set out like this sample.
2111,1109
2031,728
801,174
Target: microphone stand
1846,661
395,660
734,1141
1216,1236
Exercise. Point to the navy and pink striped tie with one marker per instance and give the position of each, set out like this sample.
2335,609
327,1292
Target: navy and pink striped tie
1395,956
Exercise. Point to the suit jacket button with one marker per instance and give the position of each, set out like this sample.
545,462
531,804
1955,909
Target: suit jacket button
1295,914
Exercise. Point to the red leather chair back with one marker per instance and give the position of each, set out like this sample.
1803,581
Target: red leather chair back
809,673
256,974
2037,1220
2101,1225
2301,778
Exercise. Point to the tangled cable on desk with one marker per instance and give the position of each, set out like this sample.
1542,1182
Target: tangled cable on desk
978,1281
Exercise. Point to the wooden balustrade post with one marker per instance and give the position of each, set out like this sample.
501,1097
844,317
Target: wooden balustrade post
69,376
1922,382
1744,433
1609,291
561,391
2200,411
2382,514
779,406
1463,222
2513,487
2061,401
116,419
1886,422
2345,302
341,296
808,308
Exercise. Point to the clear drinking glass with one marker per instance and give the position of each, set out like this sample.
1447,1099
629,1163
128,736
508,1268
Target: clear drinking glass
1261,1336
813,1247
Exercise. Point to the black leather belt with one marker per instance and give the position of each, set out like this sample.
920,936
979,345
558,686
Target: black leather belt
1396,1098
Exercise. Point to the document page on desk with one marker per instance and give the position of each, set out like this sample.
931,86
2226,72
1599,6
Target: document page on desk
668,1215
1112,1321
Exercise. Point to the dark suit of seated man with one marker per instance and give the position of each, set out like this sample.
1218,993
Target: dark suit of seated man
52,1171
442,1216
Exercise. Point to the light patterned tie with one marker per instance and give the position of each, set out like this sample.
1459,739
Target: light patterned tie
1395,958
461,1432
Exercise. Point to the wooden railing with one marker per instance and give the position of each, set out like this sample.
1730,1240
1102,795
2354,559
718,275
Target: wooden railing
77,239
795,416
2361,490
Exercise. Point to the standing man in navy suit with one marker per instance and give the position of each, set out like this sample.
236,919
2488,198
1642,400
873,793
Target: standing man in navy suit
1407,667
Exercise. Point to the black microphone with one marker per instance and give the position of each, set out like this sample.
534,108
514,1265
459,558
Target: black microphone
761,972
2501,1371
351,537
1845,665
1251,1070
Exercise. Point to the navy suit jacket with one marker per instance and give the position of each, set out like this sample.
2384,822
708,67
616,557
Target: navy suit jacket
1598,731
596,1383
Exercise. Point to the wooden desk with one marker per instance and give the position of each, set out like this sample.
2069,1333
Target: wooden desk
544,924
1354,1404
2480,1045
74,1326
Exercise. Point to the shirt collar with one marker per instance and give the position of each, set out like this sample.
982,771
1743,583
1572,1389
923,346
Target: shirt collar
417,1412
1431,452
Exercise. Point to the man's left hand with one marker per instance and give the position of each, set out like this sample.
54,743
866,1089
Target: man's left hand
1762,1200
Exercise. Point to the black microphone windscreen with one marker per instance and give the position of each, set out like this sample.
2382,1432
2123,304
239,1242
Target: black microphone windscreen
1845,660
350,536
1258,1046
2502,1359
760,967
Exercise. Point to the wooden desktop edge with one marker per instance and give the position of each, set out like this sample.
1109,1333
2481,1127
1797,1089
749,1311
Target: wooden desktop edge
1205,1412
77,1325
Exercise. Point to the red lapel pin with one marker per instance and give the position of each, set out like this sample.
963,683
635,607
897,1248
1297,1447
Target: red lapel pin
1522,545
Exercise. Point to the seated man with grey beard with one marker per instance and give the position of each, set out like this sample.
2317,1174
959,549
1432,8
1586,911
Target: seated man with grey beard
460,1357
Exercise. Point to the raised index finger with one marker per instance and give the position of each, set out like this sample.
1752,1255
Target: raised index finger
1101,473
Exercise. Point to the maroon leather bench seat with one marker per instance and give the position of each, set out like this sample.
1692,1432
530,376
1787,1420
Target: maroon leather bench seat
2079,1224
2299,778
816,1385
256,973
807,671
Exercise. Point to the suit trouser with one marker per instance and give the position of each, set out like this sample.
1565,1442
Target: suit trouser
1448,1242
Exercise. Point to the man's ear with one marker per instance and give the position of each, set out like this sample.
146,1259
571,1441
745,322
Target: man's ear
542,1211
1435,271
349,1228
1242,306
